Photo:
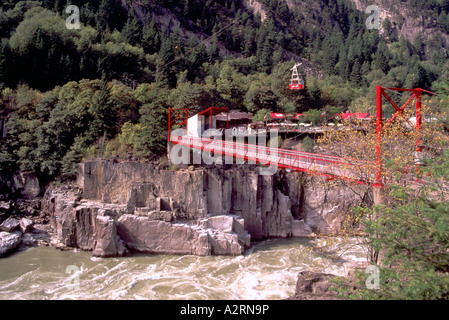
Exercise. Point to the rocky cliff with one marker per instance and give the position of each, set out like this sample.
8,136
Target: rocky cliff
406,20
137,207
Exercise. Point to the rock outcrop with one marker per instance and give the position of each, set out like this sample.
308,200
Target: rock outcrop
325,206
25,225
314,286
9,225
194,194
26,231
141,234
23,185
85,224
130,206
107,242
9,241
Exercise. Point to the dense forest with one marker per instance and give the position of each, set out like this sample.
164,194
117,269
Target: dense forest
104,90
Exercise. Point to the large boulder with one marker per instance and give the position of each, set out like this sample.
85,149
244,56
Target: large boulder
9,241
143,235
225,244
27,184
9,225
25,225
4,207
219,235
40,234
314,286
107,242
227,234
327,205
300,229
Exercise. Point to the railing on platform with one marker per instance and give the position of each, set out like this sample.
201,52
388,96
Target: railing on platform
347,169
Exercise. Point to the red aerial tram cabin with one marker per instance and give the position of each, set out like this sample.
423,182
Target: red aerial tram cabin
296,83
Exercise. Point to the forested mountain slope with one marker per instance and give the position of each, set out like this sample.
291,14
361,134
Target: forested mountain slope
105,89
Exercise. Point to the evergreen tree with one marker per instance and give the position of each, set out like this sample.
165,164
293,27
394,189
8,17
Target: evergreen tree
213,51
266,55
112,15
420,47
331,48
248,41
382,58
150,37
131,32
356,74
412,234
343,67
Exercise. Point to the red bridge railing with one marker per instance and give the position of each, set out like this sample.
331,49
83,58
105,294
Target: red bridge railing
332,167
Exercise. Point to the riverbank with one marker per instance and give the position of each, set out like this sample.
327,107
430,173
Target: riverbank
268,270
293,269
25,231
123,210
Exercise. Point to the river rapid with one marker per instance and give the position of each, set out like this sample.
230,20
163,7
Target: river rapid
267,271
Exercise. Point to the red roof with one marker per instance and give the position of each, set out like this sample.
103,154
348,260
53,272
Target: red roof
345,116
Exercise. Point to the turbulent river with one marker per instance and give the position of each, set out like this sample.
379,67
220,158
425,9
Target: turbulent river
267,271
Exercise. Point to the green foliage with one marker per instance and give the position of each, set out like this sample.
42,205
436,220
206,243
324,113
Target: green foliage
261,114
128,142
307,144
412,236
314,116
59,111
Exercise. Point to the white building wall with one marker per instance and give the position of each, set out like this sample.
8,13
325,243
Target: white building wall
195,126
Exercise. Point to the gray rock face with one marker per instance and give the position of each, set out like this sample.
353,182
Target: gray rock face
25,225
9,241
203,211
216,236
107,242
9,225
314,286
192,195
59,204
141,234
140,185
300,229
75,224
280,225
28,185
326,206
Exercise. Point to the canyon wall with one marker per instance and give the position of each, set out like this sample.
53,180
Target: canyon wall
118,207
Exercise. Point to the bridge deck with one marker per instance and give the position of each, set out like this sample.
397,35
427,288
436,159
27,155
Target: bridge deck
333,167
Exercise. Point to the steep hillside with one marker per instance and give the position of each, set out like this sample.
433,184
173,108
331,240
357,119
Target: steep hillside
104,90
411,18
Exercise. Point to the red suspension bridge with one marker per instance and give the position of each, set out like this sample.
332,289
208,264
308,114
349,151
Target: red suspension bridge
361,172
329,166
